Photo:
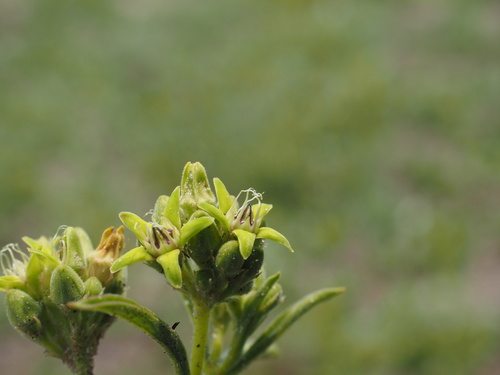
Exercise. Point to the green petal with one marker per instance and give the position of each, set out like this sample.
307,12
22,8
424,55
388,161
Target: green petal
34,244
172,208
262,211
216,213
139,254
193,227
170,264
245,240
136,225
273,235
55,262
225,200
10,282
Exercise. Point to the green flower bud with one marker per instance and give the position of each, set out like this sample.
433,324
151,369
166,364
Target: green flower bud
24,312
93,286
66,285
73,249
101,259
195,189
229,259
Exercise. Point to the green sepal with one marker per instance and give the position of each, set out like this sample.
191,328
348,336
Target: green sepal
143,319
172,208
10,282
170,264
245,240
281,324
66,285
139,254
229,259
273,235
193,227
136,225
216,213
223,196
24,312
93,286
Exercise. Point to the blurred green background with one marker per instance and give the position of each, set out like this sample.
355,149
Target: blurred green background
372,126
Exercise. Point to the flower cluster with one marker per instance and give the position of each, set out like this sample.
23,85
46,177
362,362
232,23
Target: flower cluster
57,271
208,245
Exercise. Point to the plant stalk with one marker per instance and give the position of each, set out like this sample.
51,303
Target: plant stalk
201,321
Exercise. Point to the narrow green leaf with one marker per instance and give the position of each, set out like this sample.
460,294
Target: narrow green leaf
273,235
143,319
170,264
136,225
139,254
281,324
216,213
250,317
223,196
193,227
246,240
172,208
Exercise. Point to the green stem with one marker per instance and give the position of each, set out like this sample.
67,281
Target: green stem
201,320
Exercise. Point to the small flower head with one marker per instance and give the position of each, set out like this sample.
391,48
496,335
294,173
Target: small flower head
13,263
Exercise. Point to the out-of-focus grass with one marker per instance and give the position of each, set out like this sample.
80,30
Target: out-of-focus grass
371,126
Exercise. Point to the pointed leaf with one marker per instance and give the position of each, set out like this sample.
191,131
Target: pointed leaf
170,264
136,225
172,208
216,213
139,254
273,235
143,319
245,240
281,324
223,196
193,227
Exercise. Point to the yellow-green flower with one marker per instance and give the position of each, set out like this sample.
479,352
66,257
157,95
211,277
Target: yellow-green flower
162,239
243,222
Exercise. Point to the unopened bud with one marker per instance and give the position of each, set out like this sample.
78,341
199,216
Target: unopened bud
101,259
23,312
66,285
229,259
74,249
93,286
195,189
